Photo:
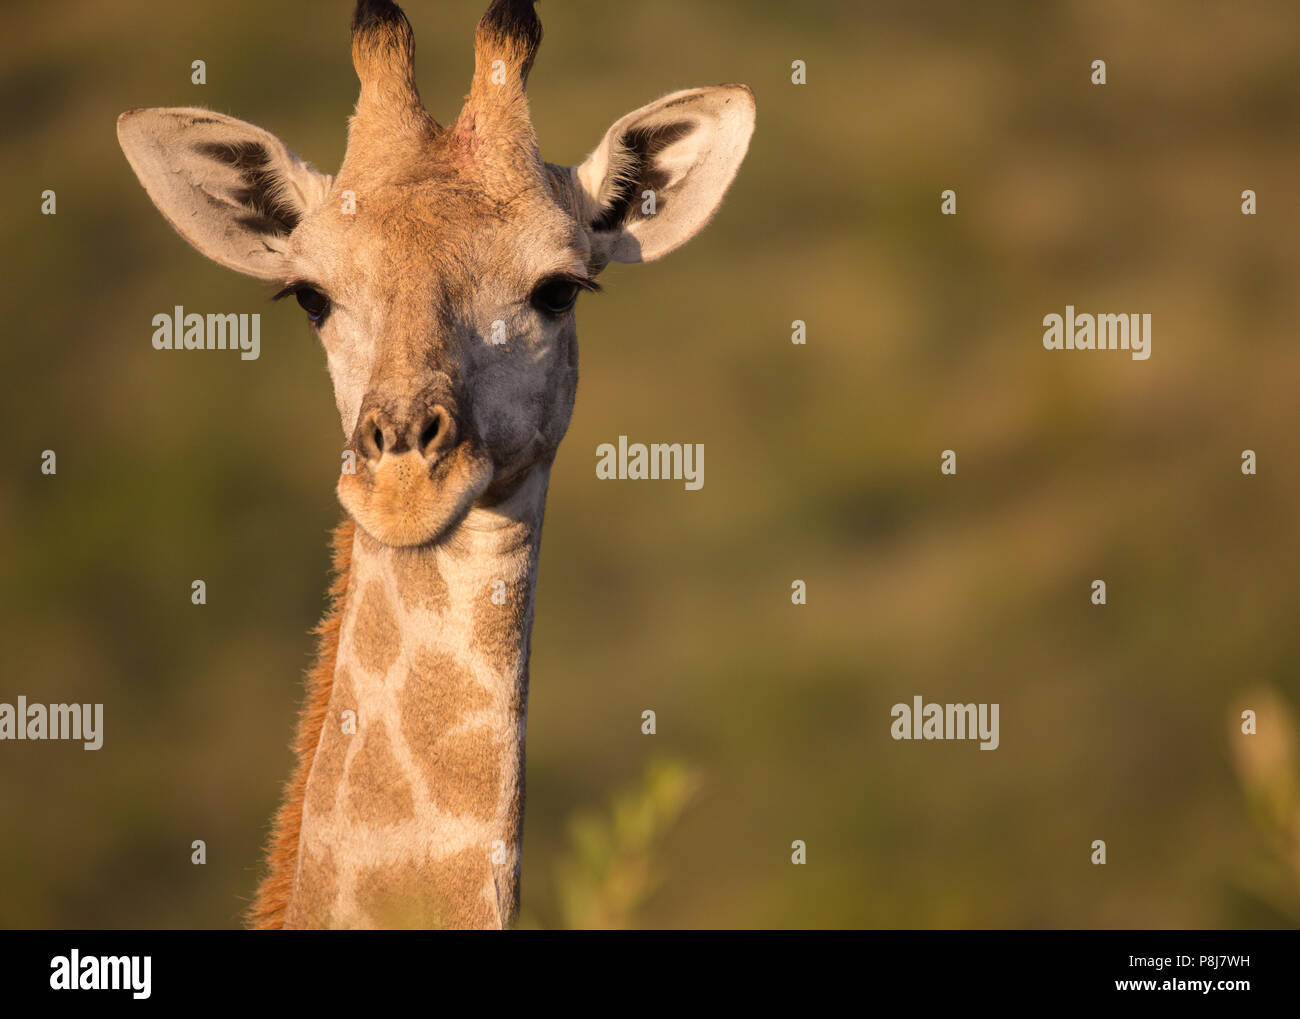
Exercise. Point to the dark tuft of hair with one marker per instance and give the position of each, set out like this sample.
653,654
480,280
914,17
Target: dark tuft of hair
636,168
376,13
263,194
514,24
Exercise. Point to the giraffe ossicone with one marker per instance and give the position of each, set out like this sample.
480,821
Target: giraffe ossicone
439,268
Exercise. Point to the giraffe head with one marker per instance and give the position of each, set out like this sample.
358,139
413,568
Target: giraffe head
441,265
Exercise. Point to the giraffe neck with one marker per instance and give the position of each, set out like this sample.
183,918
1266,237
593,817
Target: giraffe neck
413,813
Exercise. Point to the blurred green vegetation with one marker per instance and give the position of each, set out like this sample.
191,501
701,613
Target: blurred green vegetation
612,868
924,334
1269,769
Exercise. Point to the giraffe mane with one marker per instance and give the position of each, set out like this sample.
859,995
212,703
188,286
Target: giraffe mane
272,899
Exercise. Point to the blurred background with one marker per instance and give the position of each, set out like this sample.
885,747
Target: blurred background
822,464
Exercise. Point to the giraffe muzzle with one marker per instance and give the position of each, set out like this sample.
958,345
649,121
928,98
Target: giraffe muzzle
416,472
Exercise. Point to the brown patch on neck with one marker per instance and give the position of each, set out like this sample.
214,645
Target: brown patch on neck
438,693
327,775
272,899
497,628
462,769
376,637
444,894
420,583
315,909
465,775
377,792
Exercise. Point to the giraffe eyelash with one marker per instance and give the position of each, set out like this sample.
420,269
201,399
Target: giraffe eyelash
292,287
577,279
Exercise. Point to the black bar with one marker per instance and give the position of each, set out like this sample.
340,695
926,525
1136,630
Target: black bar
1172,969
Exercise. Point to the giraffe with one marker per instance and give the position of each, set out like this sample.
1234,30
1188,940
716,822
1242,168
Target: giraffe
439,269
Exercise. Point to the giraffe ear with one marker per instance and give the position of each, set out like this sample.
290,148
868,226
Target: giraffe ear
661,172
231,189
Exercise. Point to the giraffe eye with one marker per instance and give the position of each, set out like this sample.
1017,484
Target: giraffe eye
314,303
555,296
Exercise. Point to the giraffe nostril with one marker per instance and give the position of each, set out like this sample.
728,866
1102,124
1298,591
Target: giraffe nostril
369,436
431,431
438,433
428,432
